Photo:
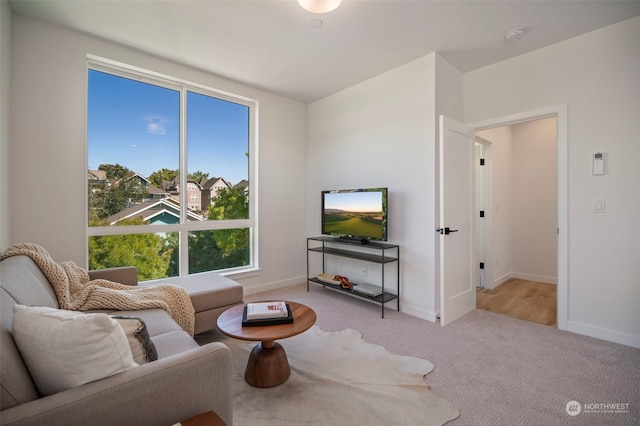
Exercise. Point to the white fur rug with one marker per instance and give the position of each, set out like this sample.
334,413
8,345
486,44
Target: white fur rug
339,379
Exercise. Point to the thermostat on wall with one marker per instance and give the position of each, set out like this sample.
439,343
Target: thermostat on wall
598,163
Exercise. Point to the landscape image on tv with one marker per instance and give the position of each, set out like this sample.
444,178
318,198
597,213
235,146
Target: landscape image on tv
358,214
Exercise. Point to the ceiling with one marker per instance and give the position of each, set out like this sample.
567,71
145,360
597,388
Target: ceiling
275,45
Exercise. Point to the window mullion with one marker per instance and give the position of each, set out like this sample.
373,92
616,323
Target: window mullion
253,178
184,202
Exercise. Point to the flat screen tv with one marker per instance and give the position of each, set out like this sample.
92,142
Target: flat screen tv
357,214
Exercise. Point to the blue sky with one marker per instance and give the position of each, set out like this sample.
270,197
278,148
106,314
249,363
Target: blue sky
137,125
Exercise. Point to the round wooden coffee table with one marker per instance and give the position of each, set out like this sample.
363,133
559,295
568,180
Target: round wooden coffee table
268,365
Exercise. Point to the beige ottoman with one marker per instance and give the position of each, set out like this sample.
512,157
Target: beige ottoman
211,294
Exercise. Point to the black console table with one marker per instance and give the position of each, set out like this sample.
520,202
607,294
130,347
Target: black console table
374,252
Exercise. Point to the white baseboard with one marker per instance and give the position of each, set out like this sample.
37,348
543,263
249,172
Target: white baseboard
521,276
249,290
627,339
500,280
405,307
414,311
537,278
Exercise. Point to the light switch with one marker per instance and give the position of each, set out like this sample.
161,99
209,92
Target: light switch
599,206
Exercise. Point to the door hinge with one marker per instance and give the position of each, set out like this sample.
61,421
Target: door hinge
481,213
482,161
481,265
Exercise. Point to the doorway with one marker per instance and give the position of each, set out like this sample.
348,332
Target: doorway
522,292
523,299
534,263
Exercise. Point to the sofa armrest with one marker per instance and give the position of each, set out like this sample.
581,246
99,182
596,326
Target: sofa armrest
162,392
125,275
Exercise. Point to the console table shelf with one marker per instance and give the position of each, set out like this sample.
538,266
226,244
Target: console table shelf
376,258
374,252
382,298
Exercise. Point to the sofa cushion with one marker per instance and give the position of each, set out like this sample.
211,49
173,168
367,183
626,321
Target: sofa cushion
158,321
21,278
64,349
166,335
17,385
142,348
174,342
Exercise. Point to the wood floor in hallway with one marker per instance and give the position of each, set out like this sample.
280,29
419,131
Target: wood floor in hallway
527,300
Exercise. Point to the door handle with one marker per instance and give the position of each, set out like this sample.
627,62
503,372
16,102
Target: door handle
446,231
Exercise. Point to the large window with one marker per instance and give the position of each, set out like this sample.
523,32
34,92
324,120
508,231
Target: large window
169,175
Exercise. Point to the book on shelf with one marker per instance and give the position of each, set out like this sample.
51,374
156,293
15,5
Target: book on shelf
367,289
263,310
288,319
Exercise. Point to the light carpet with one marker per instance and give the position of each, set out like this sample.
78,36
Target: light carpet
338,379
498,371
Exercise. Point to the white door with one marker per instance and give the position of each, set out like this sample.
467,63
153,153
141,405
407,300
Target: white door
457,257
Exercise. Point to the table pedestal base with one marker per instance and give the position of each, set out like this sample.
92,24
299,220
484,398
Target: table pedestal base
268,365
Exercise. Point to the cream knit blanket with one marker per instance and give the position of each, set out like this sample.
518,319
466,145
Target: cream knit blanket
76,292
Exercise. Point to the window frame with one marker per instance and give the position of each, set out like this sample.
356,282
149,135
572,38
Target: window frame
184,227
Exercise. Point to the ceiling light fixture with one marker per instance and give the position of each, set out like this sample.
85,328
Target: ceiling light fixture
319,6
514,34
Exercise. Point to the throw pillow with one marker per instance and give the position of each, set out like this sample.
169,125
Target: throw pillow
64,349
142,347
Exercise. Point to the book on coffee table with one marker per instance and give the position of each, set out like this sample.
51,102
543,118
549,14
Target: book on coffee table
266,313
262,310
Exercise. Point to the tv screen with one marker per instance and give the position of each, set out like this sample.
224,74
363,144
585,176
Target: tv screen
355,213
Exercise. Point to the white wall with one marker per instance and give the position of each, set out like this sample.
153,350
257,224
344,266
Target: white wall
535,203
5,54
596,75
381,132
48,149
